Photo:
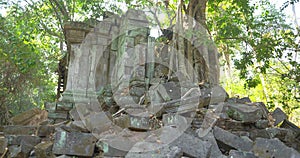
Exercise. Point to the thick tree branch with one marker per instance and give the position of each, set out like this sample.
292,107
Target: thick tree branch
62,9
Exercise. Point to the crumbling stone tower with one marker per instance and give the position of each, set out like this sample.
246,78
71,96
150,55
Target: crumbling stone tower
119,52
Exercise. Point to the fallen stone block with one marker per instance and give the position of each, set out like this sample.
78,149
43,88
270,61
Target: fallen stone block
64,156
186,109
16,152
118,145
79,144
16,140
265,112
289,125
152,151
98,123
287,136
44,149
124,100
279,116
233,125
139,123
211,117
30,117
79,126
232,140
3,145
122,121
20,130
45,130
74,114
240,154
111,151
215,151
244,100
172,89
21,146
28,143
273,148
58,115
137,91
244,113
262,124
173,119
259,133
192,146
218,95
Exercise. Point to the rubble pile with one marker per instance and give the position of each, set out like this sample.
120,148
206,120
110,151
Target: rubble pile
232,128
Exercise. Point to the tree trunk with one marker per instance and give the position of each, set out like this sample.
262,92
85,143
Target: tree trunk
209,56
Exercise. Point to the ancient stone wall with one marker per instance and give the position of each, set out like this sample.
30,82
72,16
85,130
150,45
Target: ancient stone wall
119,50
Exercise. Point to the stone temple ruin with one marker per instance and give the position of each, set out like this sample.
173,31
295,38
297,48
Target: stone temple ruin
128,95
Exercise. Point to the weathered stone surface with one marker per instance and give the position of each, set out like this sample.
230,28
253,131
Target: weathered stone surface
265,112
139,123
137,91
44,149
28,143
79,144
118,145
233,125
232,140
273,148
30,118
20,130
111,151
58,115
15,151
172,89
163,152
64,106
244,113
218,95
259,133
122,121
192,146
215,151
79,126
3,145
74,114
240,154
211,117
17,140
244,100
279,116
173,119
50,107
76,31
98,123
287,136
289,125
64,156
21,146
165,92
261,124
45,130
